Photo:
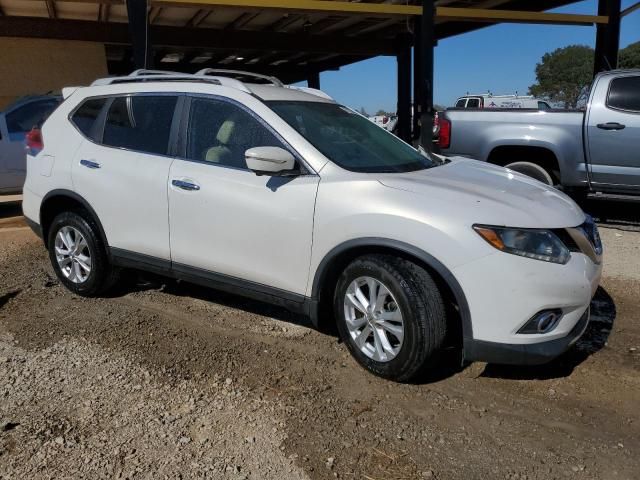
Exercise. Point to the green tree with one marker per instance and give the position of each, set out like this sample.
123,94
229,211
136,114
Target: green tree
563,74
630,56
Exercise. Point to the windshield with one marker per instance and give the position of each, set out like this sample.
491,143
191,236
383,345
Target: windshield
350,140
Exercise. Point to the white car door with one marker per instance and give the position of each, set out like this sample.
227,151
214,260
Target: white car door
122,170
226,222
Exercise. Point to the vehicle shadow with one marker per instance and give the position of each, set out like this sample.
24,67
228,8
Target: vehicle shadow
603,314
613,212
10,209
146,281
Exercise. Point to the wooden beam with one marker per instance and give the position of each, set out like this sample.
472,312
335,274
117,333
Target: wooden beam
51,9
631,9
154,14
208,38
198,17
241,20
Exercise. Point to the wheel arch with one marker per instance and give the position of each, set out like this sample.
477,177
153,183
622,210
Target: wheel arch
60,200
334,262
542,155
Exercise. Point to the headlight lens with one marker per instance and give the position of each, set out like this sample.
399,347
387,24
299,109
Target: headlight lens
537,244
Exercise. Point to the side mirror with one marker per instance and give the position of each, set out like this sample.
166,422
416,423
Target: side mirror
272,161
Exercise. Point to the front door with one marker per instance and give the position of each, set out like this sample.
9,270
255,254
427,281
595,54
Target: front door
613,134
225,220
123,172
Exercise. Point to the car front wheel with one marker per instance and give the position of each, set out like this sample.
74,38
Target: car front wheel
390,314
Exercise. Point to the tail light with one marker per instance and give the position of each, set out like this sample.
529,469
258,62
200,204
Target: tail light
385,120
33,141
444,132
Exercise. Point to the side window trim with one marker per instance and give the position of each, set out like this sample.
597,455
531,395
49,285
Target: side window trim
618,109
305,169
97,130
176,127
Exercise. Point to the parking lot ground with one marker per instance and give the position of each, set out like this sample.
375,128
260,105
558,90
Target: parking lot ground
168,380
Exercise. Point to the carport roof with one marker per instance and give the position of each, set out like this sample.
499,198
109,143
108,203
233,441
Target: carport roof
289,38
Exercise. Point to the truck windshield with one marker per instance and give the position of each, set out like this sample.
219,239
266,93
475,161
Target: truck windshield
350,140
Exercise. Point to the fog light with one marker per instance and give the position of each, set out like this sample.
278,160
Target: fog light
542,322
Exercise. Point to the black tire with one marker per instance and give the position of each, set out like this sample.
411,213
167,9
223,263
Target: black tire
420,301
535,171
103,275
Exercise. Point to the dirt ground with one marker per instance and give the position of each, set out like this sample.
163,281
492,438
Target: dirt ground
169,380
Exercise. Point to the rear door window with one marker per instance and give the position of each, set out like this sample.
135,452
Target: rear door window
85,117
624,94
140,122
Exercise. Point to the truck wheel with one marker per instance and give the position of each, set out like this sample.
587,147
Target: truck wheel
390,314
532,170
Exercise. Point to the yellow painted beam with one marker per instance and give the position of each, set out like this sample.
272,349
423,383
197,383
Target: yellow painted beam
514,16
383,9
303,5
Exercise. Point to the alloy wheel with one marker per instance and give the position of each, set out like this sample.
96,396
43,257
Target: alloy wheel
374,319
73,254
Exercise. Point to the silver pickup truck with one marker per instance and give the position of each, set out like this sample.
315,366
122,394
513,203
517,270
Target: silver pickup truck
597,149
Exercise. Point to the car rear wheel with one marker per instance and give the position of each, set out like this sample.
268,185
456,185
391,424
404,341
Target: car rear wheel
78,255
390,315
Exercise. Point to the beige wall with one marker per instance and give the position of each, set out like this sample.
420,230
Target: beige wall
32,66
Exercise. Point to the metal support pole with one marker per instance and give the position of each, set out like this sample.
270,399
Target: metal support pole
427,41
313,80
404,89
417,78
607,36
137,13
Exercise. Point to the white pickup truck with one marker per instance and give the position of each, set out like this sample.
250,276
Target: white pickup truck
597,149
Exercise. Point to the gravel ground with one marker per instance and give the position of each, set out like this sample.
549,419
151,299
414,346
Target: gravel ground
169,380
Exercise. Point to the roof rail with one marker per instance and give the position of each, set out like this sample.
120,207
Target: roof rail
155,78
143,71
240,73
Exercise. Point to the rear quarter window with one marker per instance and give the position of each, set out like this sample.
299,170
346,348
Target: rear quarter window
85,117
624,94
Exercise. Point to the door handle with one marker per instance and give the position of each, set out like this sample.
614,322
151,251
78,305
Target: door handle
89,164
185,185
610,126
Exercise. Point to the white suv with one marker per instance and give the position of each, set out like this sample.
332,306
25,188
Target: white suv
281,194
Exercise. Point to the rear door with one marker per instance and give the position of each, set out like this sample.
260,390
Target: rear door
613,133
122,169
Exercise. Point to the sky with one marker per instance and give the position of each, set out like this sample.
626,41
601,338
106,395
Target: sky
500,58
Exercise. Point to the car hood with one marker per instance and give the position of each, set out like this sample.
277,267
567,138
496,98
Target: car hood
485,193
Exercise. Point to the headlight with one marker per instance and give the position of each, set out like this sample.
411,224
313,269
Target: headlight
531,243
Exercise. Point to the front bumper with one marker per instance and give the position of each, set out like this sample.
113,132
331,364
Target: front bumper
524,354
